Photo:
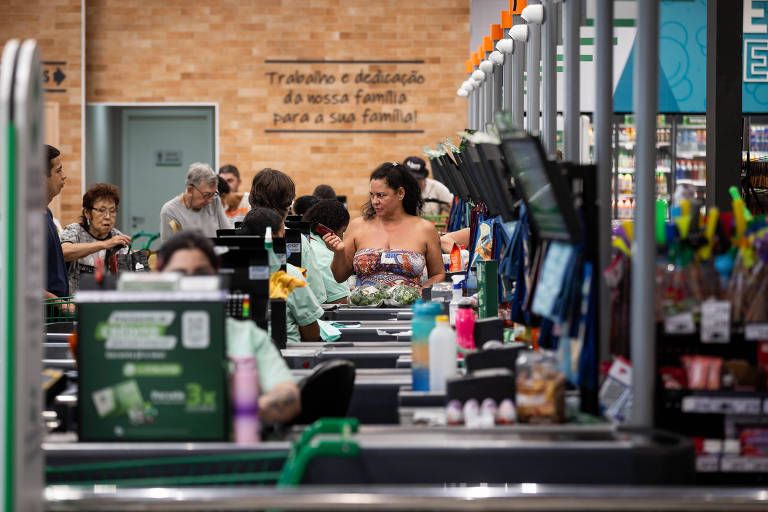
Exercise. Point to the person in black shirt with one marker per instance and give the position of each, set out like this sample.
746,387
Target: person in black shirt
57,284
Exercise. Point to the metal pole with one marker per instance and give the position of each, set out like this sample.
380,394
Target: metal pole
643,328
508,83
469,110
518,83
488,99
571,58
604,158
481,106
549,78
475,97
532,85
498,87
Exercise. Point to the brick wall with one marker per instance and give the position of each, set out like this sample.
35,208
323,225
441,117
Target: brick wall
215,51
56,24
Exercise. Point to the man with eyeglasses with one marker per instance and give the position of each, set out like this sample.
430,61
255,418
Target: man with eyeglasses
199,207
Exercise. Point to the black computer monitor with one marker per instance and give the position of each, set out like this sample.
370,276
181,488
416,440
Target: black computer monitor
504,193
478,169
464,172
544,190
246,267
293,240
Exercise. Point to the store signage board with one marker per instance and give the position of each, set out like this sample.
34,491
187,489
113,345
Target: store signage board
152,366
22,251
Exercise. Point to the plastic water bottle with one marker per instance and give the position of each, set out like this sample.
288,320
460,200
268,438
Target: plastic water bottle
423,322
453,306
274,262
442,354
465,325
244,389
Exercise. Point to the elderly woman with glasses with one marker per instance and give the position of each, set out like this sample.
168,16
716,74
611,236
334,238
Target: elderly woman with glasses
84,242
199,207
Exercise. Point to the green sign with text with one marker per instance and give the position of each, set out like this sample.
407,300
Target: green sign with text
152,366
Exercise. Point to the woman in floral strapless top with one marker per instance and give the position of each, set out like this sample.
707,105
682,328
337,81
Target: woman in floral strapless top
389,244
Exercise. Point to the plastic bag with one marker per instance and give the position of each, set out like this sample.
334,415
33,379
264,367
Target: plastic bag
402,295
368,296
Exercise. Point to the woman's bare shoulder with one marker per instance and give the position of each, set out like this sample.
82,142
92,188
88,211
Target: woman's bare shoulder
424,225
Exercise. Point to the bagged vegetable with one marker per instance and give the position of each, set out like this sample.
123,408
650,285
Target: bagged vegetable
402,295
367,296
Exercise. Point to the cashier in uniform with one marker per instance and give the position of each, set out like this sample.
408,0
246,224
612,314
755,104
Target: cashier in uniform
191,253
331,214
303,309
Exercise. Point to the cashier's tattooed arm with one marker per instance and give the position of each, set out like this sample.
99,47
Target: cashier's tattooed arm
281,404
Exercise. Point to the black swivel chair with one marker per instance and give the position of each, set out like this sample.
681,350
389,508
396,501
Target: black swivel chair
326,392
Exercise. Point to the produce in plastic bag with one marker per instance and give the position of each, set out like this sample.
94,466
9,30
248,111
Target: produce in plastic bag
367,296
402,295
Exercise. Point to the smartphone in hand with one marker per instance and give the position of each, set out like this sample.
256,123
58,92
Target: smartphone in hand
322,230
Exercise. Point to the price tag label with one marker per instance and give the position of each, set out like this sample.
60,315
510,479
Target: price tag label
681,323
707,463
756,332
258,273
715,321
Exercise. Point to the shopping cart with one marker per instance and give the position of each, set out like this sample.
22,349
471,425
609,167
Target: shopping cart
283,468
440,222
59,310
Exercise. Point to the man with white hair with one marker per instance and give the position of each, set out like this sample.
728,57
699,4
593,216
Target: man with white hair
199,207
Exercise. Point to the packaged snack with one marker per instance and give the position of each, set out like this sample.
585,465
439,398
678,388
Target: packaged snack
367,296
402,295
703,372
540,389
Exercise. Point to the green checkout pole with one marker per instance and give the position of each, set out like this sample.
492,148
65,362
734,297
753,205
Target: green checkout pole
22,253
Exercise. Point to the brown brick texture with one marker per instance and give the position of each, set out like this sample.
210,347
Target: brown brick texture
56,25
216,51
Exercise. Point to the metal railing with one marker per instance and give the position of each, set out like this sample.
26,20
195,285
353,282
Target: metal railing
490,498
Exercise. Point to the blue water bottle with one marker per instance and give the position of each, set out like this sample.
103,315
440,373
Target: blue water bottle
423,322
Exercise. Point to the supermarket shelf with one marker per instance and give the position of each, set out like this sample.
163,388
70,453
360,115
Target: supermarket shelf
626,195
663,169
663,144
744,403
686,181
627,144
731,464
692,127
688,155
756,154
626,170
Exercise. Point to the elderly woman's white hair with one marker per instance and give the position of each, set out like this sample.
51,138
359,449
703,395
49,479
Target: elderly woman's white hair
200,173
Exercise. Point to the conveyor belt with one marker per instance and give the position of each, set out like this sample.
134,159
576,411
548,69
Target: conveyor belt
591,455
551,455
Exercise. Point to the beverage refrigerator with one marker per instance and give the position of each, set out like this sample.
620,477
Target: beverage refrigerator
680,171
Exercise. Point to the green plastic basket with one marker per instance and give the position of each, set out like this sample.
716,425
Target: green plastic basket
59,309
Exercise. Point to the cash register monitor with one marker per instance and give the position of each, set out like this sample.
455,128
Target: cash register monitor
246,265
464,171
479,169
505,195
543,189
454,174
